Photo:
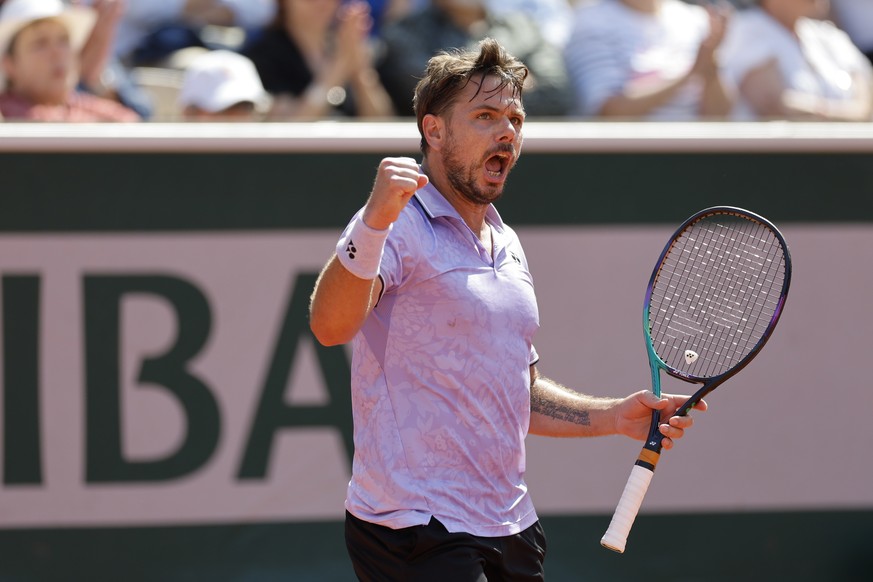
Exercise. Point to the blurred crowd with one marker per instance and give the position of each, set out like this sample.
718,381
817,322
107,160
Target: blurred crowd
286,60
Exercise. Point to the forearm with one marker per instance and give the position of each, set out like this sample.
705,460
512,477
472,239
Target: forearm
858,108
558,411
97,51
371,98
640,102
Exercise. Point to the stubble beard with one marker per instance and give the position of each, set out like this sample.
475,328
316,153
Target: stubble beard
463,178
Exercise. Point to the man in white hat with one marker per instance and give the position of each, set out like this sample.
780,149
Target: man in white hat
222,85
40,42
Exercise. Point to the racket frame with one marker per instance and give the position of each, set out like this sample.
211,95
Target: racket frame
616,535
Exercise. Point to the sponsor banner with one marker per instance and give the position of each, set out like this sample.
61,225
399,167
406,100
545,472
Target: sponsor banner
154,379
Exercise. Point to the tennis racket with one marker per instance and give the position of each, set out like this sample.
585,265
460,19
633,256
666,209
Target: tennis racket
712,303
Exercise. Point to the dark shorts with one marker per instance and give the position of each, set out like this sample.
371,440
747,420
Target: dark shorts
429,552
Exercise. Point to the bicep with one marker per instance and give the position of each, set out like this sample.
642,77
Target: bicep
340,303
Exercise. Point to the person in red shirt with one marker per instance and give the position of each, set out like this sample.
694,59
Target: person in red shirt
40,42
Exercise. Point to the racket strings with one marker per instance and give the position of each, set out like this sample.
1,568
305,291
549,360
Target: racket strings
715,294
742,278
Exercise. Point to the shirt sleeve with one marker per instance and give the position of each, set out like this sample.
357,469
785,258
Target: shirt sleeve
742,50
402,248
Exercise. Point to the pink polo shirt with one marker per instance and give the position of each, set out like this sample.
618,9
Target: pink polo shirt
441,378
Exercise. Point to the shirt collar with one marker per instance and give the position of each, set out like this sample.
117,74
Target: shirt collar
435,205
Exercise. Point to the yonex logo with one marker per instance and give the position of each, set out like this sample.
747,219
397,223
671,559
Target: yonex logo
350,249
515,257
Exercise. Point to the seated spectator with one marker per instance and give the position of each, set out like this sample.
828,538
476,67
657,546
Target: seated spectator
647,59
152,30
788,64
856,18
448,24
40,42
222,85
316,61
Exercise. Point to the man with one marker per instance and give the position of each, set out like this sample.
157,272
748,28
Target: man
655,60
40,42
407,44
435,291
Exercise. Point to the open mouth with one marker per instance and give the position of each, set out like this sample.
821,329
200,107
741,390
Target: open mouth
496,165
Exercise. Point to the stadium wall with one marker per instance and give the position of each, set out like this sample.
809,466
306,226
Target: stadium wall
166,414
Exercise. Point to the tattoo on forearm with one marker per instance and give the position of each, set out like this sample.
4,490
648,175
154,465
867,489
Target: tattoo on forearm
559,411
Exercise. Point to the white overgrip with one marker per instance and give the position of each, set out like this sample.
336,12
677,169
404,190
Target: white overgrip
626,511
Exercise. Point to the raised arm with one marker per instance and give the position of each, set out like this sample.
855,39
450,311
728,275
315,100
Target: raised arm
348,287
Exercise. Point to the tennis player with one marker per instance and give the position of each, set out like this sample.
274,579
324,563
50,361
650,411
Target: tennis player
434,291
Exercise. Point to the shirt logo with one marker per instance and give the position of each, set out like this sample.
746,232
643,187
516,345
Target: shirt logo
515,258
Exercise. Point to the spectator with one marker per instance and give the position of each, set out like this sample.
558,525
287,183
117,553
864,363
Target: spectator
647,59
101,72
385,11
222,85
40,42
856,18
788,64
448,24
552,16
152,30
316,61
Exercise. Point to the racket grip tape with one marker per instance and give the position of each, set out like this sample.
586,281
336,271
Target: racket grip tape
626,511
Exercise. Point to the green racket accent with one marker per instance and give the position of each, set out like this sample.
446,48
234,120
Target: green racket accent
714,298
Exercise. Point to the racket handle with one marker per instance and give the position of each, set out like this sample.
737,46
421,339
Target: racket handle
626,511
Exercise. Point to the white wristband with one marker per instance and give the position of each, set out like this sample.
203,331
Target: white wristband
360,250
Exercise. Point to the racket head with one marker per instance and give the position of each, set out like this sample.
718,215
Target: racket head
715,295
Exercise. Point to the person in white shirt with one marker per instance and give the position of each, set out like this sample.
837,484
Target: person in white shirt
647,59
787,63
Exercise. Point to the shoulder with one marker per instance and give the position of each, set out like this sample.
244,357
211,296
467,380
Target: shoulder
746,29
752,19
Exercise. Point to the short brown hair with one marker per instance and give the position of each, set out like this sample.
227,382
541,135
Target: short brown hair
448,73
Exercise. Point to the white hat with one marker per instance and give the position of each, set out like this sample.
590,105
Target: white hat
15,15
219,79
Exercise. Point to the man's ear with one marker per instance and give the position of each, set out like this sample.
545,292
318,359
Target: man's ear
434,130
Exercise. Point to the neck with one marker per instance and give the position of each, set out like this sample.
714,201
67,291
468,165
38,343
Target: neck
647,6
471,212
786,18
